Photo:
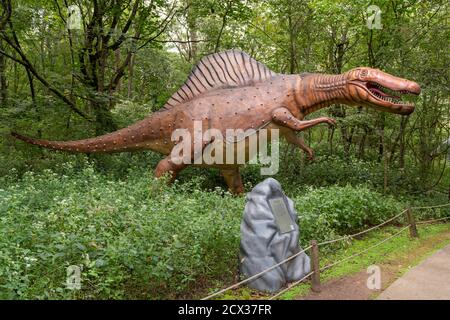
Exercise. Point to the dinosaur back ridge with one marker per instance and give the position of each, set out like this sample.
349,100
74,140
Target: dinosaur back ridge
232,68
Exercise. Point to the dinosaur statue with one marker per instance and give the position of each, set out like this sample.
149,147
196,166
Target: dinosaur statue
232,90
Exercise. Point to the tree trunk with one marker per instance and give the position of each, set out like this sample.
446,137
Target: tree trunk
192,32
104,121
330,140
3,83
117,57
381,142
291,46
33,99
130,76
362,145
385,162
224,22
402,145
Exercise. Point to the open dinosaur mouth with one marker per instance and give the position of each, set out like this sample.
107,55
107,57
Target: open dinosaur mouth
386,94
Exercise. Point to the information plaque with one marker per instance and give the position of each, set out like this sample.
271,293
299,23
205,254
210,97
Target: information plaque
281,214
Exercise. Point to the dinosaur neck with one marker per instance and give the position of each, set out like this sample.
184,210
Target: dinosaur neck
322,90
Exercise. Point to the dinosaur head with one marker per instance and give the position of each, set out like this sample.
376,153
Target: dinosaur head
378,89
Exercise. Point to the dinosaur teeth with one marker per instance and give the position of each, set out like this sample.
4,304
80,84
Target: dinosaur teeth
389,91
385,94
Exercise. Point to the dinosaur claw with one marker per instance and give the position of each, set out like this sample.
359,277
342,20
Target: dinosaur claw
330,121
310,156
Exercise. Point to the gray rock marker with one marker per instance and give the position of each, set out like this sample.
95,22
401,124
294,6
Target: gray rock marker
269,235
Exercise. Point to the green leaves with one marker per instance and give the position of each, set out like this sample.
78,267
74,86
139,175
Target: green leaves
326,213
132,242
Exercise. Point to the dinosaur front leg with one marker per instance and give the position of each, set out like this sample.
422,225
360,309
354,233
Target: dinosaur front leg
295,140
285,118
233,179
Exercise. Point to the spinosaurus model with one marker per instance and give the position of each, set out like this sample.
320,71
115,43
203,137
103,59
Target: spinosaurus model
231,90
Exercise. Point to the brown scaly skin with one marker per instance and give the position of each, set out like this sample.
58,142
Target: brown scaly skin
280,102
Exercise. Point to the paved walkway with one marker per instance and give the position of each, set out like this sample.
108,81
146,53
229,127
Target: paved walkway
430,280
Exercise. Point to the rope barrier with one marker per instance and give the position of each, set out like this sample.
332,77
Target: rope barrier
362,232
363,251
256,275
337,262
432,207
431,221
290,286
329,242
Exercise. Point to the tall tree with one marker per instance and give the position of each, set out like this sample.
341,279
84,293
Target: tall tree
106,28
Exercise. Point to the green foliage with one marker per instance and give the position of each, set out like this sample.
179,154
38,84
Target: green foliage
402,250
326,213
330,170
137,238
131,242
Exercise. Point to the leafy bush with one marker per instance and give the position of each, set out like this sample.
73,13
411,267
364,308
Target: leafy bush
131,242
326,213
137,238
332,170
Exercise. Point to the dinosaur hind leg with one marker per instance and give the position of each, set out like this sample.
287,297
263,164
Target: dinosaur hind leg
233,179
166,166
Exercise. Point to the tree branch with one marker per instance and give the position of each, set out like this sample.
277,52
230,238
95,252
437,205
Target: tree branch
14,44
162,26
119,41
224,21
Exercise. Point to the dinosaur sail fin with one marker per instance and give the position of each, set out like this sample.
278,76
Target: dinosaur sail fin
226,69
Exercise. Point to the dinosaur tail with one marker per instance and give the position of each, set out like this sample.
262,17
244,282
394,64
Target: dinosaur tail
134,137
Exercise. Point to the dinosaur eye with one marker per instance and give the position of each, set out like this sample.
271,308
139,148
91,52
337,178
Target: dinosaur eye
363,73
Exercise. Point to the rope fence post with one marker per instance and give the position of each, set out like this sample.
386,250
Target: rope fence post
314,261
315,268
412,223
